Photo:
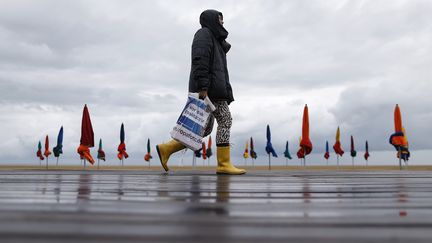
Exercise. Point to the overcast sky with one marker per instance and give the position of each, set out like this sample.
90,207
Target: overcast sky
350,61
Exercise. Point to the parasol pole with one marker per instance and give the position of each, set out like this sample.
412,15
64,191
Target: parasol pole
327,162
47,163
352,161
40,162
400,158
304,150
98,164
57,161
337,159
269,162
286,162
122,162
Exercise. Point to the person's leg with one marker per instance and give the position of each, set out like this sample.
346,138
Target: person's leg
223,118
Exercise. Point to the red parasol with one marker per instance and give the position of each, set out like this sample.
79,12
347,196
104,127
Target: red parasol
87,137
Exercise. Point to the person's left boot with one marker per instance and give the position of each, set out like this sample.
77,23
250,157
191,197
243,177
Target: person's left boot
166,149
225,165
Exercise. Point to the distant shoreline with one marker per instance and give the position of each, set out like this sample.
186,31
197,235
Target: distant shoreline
212,168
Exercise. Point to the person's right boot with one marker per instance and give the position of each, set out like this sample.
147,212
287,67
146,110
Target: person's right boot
224,162
165,150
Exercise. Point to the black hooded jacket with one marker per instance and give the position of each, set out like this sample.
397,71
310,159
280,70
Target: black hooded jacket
209,66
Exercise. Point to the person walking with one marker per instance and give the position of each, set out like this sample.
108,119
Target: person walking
209,77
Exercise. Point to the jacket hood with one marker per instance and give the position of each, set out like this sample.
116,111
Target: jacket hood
210,19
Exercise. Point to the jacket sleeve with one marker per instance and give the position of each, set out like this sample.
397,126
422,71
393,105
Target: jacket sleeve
202,47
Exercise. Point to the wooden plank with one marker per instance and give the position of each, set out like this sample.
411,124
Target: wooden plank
197,206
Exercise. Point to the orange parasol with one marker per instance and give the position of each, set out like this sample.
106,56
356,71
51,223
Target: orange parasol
398,138
305,143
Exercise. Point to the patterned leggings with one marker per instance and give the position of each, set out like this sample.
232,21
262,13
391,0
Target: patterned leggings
223,118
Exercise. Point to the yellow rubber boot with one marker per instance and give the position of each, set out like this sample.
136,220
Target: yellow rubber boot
224,162
166,149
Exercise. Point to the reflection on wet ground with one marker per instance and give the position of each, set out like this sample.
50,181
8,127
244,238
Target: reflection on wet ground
277,206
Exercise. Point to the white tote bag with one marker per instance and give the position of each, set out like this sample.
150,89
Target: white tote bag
192,122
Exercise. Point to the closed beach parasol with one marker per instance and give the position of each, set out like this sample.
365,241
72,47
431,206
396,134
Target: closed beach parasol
57,150
337,146
305,143
47,151
269,147
122,146
253,154
353,152
39,153
246,152
327,152
287,153
204,152
87,137
101,153
209,151
148,156
197,153
366,155
398,139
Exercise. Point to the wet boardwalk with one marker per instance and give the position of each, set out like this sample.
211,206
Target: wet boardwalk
191,206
